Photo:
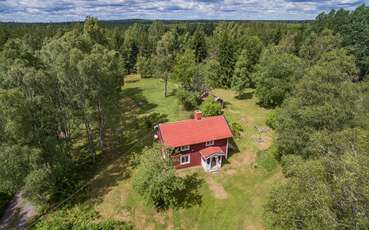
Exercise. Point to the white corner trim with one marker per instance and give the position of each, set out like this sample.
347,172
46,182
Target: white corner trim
227,149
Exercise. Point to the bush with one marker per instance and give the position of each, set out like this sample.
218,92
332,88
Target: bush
38,186
210,107
78,219
236,129
188,99
271,120
156,181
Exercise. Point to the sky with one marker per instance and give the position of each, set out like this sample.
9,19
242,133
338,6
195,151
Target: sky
77,10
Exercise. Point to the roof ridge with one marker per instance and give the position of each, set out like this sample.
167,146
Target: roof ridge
186,120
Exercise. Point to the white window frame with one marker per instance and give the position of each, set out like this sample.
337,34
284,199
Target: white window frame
187,162
185,148
209,143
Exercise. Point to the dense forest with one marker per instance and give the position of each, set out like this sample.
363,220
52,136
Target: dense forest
60,85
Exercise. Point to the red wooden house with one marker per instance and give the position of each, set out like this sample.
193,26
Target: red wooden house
198,141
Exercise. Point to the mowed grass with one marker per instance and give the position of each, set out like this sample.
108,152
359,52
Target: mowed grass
232,198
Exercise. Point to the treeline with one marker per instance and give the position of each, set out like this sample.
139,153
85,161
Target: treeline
50,100
60,88
322,128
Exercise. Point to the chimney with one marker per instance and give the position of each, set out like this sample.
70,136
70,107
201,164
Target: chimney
197,115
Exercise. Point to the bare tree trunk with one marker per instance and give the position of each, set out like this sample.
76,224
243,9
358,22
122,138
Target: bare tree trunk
101,126
90,139
166,86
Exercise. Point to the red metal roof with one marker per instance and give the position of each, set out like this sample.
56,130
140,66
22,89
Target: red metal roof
188,132
207,152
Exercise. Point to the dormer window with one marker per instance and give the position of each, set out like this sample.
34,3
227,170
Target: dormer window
209,143
185,148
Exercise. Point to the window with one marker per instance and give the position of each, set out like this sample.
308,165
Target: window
209,143
185,159
185,148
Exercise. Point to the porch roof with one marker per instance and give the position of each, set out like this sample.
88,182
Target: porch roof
209,151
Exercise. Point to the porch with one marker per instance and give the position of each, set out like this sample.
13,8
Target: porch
211,158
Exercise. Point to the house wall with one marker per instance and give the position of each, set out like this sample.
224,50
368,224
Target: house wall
194,152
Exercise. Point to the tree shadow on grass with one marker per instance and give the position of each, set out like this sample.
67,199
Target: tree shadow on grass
245,96
129,131
172,93
190,195
186,197
233,149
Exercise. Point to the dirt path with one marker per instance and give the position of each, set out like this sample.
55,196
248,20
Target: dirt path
17,214
217,188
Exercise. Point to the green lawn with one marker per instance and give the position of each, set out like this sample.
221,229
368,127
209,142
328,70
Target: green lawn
231,199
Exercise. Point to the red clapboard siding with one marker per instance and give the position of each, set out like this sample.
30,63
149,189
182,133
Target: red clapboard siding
194,152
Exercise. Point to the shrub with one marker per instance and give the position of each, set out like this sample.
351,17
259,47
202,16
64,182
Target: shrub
78,218
271,120
187,98
210,107
236,129
38,186
156,181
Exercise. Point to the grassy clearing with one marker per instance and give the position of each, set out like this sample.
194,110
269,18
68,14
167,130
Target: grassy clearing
242,183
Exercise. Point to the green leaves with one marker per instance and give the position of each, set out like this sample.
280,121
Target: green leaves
328,193
324,100
155,179
15,165
276,76
210,107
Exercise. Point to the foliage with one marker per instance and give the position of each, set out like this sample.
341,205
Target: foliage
242,77
322,138
73,81
211,72
321,194
187,98
78,219
165,57
14,167
236,129
156,181
245,65
353,27
325,101
145,67
276,76
188,73
210,107
225,53
198,44
317,44
272,119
